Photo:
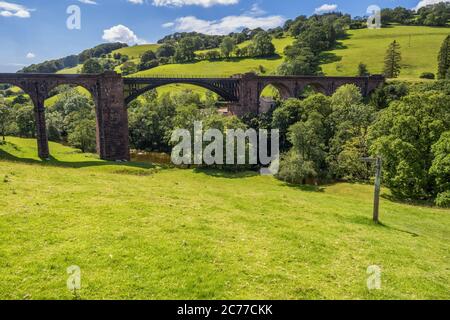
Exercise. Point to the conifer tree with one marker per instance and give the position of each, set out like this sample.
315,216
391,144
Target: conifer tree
392,60
444,59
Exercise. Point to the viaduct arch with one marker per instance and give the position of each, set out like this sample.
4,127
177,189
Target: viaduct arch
112,93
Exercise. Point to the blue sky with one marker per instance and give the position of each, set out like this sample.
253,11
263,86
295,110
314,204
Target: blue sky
32,31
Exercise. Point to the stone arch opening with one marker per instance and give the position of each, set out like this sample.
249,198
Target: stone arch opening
269,96
71,117
134,91
310,89
20,110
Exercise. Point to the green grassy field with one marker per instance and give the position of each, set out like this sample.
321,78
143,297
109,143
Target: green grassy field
74,70
223,67
419,48
135,52
139,231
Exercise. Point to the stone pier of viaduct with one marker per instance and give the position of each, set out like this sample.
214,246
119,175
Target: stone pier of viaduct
112,93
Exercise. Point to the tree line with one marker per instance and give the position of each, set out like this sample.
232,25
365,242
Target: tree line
53,66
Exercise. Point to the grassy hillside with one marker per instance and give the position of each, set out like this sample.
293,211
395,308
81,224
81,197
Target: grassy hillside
135,52
139,231
419,48
74,70
224,67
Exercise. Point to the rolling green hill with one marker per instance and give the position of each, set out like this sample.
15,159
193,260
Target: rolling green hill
419,48
224,67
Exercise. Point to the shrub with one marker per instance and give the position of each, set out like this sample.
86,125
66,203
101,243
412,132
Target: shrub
443,199
427,75
148,65
294,169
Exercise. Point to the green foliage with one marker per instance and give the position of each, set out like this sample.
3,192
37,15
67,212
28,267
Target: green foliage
185,50
72,118
24,121
328,135
440,168
349,119
349,165
314,36
82,136
308,139
427,75
148,56
166,50
20,99
362,70
443,199
227,46
444,59
299,60
148,61
392,60
129,67
388,93
262,45
294,169
398,15
403,135
92,66
53,66
151,122
148,65
5,118
285,116
436,15
201,41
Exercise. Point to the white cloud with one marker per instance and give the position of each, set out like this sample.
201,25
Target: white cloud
88,1
202,3
326,8
123,34
256,10
136,1
30,55
8,9
425,3
226,25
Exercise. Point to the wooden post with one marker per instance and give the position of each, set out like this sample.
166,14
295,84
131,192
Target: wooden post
376,201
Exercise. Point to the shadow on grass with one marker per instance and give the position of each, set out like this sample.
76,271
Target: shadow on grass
304,187
239,59
217,173
411,202
369,222
328,57
75,164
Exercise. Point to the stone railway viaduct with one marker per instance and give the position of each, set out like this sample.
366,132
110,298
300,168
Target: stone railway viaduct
112,93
